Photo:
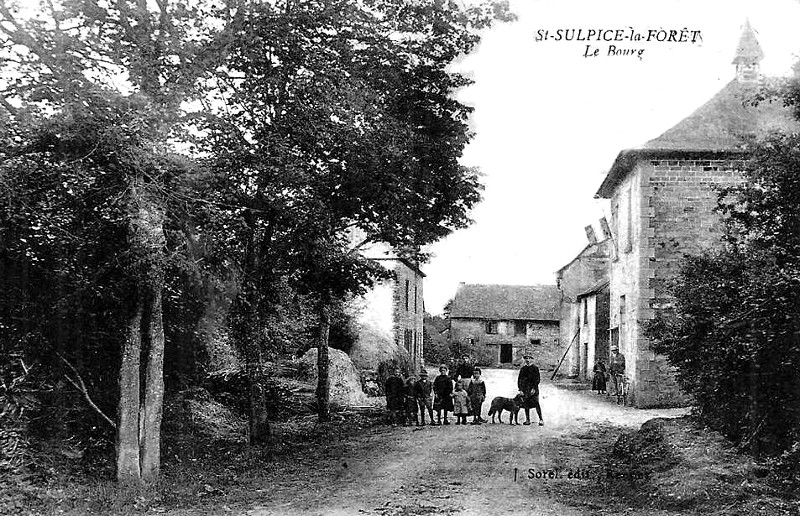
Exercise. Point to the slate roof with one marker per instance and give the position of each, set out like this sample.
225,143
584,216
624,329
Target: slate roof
599,286
600,248
721,127
506,302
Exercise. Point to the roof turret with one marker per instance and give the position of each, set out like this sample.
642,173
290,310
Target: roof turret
748,55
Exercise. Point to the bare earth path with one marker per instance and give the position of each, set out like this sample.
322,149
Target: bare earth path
460,469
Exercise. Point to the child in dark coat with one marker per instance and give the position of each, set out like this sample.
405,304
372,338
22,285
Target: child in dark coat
424,395
411,401
443,388
477,394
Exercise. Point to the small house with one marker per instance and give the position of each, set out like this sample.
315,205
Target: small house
497,323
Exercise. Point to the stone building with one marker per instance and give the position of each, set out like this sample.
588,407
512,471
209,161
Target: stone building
498,322
591,343
390,317
662,199
583,306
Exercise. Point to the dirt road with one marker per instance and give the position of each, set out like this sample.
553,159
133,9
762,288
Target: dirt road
463,469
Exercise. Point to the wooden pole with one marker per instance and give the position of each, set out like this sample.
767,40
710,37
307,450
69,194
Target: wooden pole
565,353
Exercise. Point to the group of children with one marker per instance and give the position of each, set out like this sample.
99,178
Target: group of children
408,401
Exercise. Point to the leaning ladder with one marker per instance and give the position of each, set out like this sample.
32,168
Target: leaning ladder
565,353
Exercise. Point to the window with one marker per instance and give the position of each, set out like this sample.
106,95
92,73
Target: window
520,327
585,311
615,223
629,221
415,299
406,295
491,327
536,342
623,316
614,337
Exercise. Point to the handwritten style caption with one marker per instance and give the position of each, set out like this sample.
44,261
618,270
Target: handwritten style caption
632,40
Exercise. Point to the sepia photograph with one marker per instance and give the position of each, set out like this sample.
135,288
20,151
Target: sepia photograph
399,257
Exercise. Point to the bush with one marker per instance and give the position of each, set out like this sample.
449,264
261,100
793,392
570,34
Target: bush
734,330
230,388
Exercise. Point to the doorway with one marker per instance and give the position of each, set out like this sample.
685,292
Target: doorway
506,353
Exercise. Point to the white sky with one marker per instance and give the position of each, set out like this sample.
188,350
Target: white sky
549,122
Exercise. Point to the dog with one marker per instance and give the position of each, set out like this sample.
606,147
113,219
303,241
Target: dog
512,405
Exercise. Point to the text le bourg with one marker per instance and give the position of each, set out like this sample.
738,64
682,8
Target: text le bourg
614,36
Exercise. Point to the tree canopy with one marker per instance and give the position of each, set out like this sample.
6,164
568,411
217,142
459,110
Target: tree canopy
159,156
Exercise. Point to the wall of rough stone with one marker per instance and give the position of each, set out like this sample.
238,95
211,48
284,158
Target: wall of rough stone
589,267
408,310
628,278
593,339
546,353
671,214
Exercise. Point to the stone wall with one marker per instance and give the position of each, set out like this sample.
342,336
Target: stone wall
408,311
593,339
660,212
546,352
589,267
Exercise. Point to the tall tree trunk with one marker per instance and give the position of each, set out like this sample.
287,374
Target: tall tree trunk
249,334
323,363
140,406
260,431
152,408
128,469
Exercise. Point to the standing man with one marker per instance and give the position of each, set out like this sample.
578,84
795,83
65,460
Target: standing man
528,384
616,368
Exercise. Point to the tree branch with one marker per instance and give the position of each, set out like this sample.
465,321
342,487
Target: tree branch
82,388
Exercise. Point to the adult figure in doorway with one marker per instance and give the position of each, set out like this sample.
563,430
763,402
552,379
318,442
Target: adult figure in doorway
528,384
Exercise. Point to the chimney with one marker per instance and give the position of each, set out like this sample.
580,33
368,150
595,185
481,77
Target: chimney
606,229
748,55
590,234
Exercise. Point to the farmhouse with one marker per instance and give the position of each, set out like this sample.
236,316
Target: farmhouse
662,199
497,323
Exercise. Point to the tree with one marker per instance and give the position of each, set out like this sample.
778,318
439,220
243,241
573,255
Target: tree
436,339
340,120
93,95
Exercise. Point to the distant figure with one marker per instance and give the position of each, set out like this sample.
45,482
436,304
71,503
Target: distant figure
424,395
410,392
528,384
461,408
617,368
465,369
443,388
477,394
395,396
599,378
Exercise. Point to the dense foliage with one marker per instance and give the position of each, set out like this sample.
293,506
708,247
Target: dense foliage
177,177
734,333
